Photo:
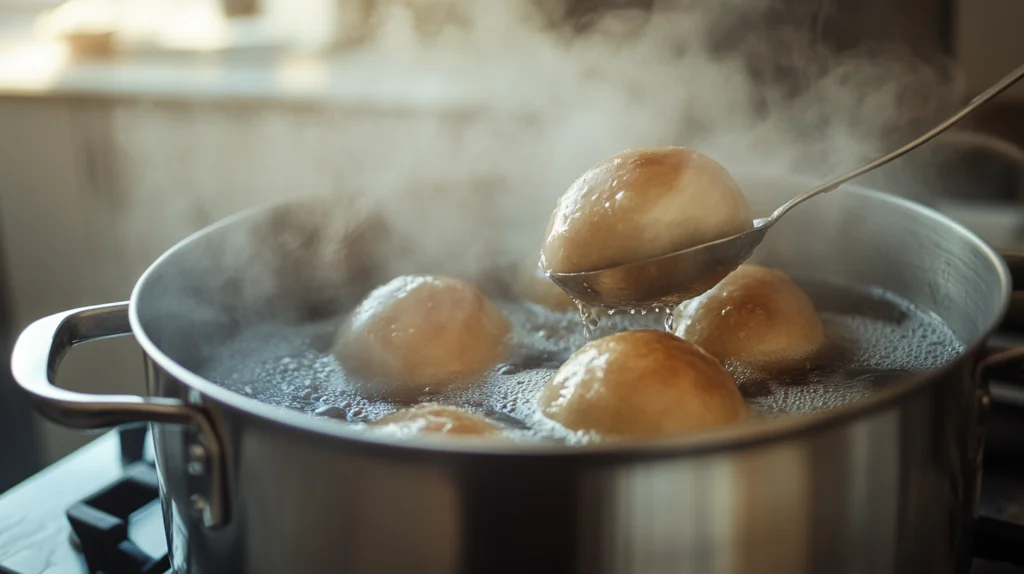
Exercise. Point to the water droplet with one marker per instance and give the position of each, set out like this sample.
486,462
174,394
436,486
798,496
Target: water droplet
670,322
591,318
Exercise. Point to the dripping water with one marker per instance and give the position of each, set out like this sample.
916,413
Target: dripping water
591,317
670,319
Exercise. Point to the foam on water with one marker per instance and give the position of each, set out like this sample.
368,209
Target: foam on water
873,340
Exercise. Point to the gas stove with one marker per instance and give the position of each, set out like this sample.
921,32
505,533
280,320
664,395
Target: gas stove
98,510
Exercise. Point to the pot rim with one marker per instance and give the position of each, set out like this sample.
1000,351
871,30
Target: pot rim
738,436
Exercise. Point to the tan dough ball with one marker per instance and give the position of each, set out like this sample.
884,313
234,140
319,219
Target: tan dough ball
643,203
420,333
434,418
755,316
643,384
534,285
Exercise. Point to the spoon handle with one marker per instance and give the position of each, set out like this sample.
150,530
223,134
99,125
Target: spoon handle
980,99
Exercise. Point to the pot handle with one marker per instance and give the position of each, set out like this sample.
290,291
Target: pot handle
1014,318
34,362
1006,362
996,539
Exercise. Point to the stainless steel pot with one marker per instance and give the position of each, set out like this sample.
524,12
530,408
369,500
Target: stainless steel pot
888,484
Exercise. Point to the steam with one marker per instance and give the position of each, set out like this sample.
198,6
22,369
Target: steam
493,108
747,83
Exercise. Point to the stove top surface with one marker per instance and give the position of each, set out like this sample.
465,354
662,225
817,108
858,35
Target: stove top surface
36,535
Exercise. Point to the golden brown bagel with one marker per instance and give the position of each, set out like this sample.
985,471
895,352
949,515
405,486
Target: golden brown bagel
434,418
755,316
642,384
420,333
642,203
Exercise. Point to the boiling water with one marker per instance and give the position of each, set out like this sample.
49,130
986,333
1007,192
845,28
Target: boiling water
873,339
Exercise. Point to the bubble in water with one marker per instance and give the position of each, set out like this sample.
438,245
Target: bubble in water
507,369
331,411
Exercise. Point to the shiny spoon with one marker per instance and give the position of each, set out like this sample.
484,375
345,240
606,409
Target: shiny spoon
668,280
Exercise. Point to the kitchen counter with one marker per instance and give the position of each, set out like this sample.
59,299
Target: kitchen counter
38,69
257,67
42,70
